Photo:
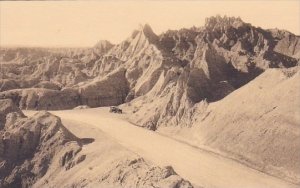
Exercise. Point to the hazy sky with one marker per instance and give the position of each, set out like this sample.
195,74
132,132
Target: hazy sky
83,23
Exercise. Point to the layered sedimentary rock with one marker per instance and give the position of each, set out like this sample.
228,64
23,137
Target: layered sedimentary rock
207,63
288,43
227,55
28,146
213,61
43,99
112,90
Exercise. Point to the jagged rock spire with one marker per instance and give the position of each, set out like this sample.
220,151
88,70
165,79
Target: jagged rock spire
220,22
147,31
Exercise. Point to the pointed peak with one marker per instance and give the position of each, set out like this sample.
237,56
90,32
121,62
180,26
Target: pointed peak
145,28
147,31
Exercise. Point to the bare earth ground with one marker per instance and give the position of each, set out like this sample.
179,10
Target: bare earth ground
196,165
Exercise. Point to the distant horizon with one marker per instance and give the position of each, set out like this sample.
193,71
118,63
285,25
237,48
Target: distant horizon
81,24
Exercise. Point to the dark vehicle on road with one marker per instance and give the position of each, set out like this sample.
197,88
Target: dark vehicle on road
114,109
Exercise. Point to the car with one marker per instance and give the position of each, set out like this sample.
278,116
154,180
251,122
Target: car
114,109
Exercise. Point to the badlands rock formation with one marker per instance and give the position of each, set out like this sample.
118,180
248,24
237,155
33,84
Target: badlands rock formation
188,65
220,57
228,81
28,146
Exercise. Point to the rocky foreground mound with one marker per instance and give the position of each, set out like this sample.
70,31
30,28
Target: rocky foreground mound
28,146
138,172
129,171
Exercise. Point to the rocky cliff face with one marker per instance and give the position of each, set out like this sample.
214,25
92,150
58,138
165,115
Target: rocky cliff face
110,90
43,99
213,61
205,63
28,146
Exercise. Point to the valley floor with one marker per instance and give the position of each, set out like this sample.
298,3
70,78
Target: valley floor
198,166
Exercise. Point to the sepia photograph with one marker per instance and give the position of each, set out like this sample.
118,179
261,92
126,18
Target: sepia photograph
150,94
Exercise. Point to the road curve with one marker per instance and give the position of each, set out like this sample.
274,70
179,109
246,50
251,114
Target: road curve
199,167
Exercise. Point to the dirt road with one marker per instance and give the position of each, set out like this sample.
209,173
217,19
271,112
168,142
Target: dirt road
198,166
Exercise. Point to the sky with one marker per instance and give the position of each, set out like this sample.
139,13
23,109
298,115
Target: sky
83,23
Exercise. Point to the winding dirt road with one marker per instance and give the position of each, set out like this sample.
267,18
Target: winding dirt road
198,166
